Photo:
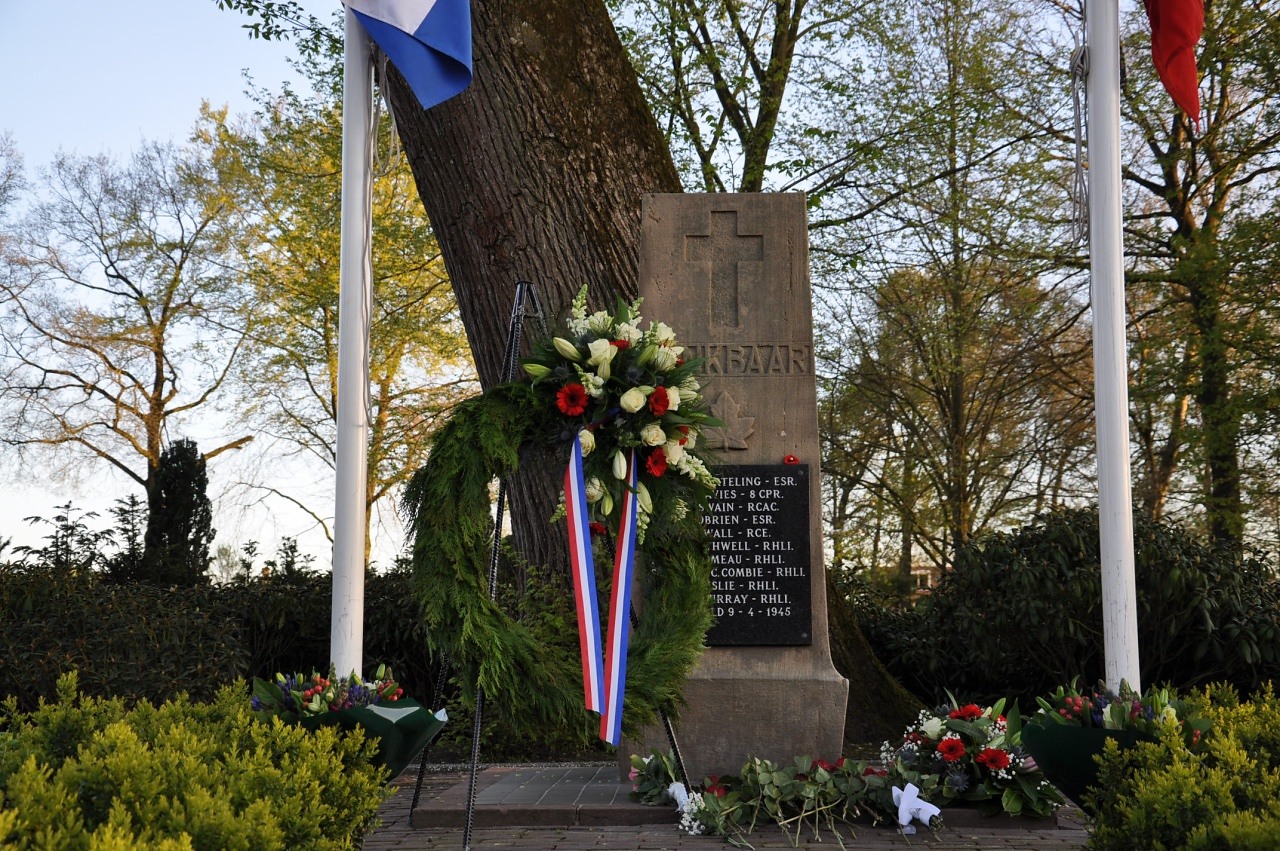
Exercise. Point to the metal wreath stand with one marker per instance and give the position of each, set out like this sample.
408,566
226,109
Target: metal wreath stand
525,292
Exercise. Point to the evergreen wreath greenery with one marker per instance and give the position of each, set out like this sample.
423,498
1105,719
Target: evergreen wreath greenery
532,678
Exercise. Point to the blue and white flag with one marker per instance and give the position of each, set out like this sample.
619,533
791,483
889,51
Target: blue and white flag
429,41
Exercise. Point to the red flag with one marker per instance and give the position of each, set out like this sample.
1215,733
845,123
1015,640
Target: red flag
1175,28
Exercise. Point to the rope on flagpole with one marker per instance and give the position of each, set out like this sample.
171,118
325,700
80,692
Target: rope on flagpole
1080,183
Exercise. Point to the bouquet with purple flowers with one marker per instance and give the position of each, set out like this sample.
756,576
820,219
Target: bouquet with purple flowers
378,707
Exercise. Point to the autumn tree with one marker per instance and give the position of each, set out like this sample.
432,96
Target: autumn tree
121,317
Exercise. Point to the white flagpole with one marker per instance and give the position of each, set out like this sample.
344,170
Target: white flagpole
1111,384
346,636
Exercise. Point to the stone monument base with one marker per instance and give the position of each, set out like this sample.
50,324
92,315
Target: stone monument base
742,702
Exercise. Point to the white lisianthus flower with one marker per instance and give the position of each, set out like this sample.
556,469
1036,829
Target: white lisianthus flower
567,349
600,322
932,727
642,497
632,401
653,435
691,439
628,331
588,441
595,490
619,465
674,452
664,359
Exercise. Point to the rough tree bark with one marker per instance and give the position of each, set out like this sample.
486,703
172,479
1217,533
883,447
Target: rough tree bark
536,173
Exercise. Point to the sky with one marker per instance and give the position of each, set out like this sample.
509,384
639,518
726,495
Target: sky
90,77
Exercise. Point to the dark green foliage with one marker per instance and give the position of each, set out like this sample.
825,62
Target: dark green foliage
180,518
132,640
84,772
1021,613
139,640
1225,796
530,673
127,564
72,547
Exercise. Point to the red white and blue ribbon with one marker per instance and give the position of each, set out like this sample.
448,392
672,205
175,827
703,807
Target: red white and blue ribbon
584,580
615,657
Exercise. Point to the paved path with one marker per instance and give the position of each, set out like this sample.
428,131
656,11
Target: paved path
508,790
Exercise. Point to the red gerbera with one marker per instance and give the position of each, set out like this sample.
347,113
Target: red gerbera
968,712
656,463
571,399
951,749
658,401
993,758
620,344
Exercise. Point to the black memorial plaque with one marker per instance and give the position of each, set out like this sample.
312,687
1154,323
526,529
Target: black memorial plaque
758,522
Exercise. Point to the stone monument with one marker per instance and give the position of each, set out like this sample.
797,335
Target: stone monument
730,273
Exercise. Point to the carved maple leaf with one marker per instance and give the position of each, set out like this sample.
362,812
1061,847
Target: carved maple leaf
737,428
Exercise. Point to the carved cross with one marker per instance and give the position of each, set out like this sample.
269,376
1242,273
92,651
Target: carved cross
724,248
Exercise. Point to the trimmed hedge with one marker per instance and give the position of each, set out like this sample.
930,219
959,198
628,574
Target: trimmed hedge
1021,612
92,773
140,641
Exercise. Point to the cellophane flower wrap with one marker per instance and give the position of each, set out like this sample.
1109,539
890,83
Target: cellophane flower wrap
971,753
620,384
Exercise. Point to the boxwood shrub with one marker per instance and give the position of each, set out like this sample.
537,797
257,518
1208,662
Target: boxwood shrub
1225,796
85,772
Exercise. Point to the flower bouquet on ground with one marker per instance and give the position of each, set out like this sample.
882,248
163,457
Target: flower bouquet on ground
971,754
403,726
1073,726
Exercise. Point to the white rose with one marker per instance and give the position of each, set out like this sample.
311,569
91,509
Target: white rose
932,728
673,398
602,352
653,435
632,401
595,489
588,441
662,333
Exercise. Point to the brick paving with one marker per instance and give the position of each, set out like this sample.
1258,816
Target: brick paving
584,808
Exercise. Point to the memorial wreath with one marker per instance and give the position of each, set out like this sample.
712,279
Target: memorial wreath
621,407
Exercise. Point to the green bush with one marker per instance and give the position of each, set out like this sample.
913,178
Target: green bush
143,641
1022,611
136,641
1225,796
92,773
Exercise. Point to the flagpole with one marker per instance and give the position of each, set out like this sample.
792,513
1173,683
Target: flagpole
1111,386
346,636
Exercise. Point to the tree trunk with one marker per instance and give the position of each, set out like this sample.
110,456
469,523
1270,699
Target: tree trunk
535,173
